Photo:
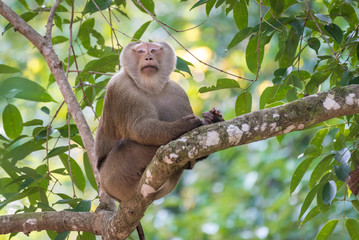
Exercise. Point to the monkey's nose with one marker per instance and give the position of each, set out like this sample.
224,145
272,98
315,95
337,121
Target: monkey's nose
148,58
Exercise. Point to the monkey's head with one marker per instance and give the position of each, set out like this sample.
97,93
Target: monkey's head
149,64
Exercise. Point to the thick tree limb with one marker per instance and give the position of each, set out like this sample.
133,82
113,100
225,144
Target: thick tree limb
44,45
200,142
56,221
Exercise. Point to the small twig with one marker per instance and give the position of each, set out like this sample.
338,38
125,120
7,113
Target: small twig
50,19
271,25
109,15
70,40
47,139
321,32
204,63
81,85
300,48
69,155
259,39
93,72
350,38
179,31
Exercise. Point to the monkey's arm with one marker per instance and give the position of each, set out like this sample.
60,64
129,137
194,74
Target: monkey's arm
151,131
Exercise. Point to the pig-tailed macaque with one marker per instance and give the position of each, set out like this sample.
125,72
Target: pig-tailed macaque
142,110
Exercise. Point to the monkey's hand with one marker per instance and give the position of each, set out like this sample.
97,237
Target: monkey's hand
190,122
212,116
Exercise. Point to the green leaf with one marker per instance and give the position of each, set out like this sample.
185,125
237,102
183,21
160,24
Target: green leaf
89,172
323,18
23,2
342,156
273,94
314,44
138,34
59,39
222,83
346,77
64,130
209,6
84,32
288,50
33,122
99,106
329,192
59,150
277,6
342,171
45,110
4,69
352,226
25,89
319,170
148,4
87,236
12,121
23,150
308,200
182,65
240,36
40,2
58,22
41,133
243,103
355,204
299,173
280,138
62,236
252,53
83,206
240,14
317,140
105,64
334,31
327,230
199,3
101,4
292,95
312,213
345,10
354,80
316,79
77,174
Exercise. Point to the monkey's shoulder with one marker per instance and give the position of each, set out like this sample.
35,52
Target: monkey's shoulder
174,88
122,86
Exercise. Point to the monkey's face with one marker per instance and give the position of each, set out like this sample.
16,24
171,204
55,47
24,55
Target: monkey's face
149,56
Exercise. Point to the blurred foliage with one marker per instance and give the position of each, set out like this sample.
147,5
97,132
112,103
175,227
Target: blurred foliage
283,50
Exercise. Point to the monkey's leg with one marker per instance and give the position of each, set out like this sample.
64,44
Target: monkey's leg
140,232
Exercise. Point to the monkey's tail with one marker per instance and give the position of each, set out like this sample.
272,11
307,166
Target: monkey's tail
140,232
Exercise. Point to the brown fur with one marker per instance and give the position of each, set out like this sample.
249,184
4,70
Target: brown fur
142,110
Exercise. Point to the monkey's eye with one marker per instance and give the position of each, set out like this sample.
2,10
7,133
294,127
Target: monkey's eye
141,51
153,50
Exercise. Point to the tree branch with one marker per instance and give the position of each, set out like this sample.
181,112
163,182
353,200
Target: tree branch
55,221
51,18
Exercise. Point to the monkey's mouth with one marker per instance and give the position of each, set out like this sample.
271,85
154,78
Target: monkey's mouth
149,67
